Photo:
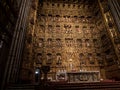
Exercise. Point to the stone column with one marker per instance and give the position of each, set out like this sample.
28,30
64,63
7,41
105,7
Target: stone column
15,53
115,10
21,41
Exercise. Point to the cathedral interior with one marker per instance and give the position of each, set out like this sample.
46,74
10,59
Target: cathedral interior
69,40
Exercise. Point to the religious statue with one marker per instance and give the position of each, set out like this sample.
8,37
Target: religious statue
59,59
39,58
49,58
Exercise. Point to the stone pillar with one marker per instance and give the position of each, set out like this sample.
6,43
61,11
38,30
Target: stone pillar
15,54
21,40
28,65
115,10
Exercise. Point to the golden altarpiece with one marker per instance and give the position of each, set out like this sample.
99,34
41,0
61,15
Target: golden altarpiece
70,37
